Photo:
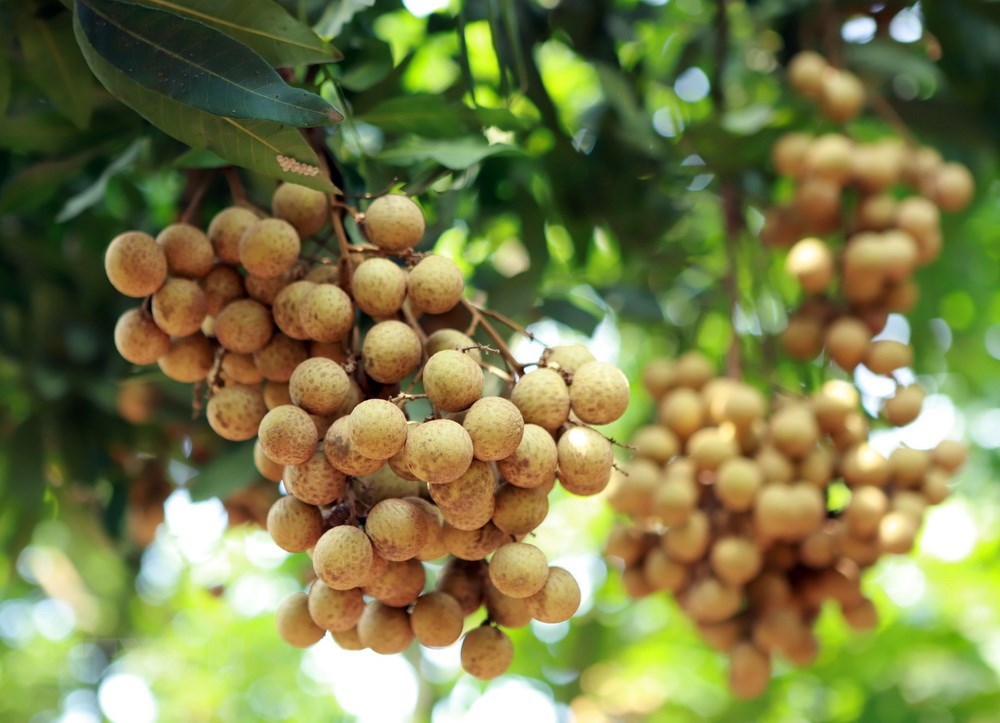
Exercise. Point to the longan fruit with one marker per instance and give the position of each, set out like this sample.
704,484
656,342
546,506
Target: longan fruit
635,583
486,653
294,525
304,208
832,404
709,447
324,273
905,406
348,639
743,406
935,486
749,671
244,326
897,532
805,73
189,252
672,501
394,222
682,411
379,287
817,200
599,393
326,313
842,95
830,157
335,610
655,443
711,601
788,153
794,430
878,212
693,369
817,467
774,465
689,541
465,581
451,339
568,357
235,412
275,394
504,610
886,356
533,464
269,248
391,351
287,306
227,228
467,502
803,336
343,557
399,585
439,451
662,573
384,629
811,262
332,350
736,560
135,264
315,481
861,616
633,488
518,511
452,381
136,401
436,620
189,358
179,307
585,461
280,357
518,569
382,484
721,636
908,466
342,453
473,544
397,529
240,369
318,385
268,468
138,339
953,186
288,435
435,285
557,600
378,428
658,377
495,426
950,454
543,398
294,623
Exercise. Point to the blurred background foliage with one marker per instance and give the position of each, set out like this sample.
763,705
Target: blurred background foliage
569,156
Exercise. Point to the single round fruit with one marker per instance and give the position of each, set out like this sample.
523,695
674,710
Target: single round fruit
585,461
294,525
886,356
533,464
847,341
318,385
326,313
399,584
495,426
805,73
435,285
682,411
295,625
268,468
342,453
269,248
244,326
189,358
384,629
307,210
542,398
288,435
557,600
905,406
842,95
227,228
221,285
179,307
953,187
452,381
287,307
335,610
439,451
138,339
436,620
379,287
473,544
135,264
280,357
342,557
518,569
391,351
467,502
451,339
599,393
568,357
518,511
315,481
394,223
811,262
235,412
486,653
189,252
397,529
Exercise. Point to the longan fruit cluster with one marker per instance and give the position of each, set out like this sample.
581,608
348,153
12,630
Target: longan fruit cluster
730,510
313,364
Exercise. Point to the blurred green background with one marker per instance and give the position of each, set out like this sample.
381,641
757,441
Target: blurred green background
569,155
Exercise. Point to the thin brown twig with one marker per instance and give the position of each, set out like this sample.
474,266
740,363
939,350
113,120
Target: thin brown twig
512,364
346,264
414,324
511,324
197,196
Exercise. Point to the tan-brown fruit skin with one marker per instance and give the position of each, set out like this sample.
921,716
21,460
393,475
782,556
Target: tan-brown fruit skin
288,435
318,385
269,248
315,481
343,557
439,451
179,307
542,398
295,626
379,287
567,358
451,339
495,426
518,569
436,620
244,326
235,412
452,381
293,525
138,339
505,610
342,453
390,352
222,284
189,252
279,358
335,610
473,545
326,313
399,585
189,359
307,210
397,528
585,461
518,511
486,653
287,307
557,600
227,228
384,629
135,264
268,468
533,463
467,502
599,393
378,428
435,285
394,223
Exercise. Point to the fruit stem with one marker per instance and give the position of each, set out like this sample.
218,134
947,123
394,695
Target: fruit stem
414,324
510,323
238,191
612,440
477,315
197,195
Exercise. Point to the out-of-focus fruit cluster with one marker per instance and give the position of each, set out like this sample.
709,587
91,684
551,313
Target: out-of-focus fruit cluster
754,514
321,365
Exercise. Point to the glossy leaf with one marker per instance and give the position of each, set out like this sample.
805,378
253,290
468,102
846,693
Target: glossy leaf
199,158
267,148
195,64
458,154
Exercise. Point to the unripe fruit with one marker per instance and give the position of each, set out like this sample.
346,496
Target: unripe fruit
518,569
905,406
295,625
805,73
288,435
811,263
842,95
390,352
318,385
451,339
473,544
326,313
342,453
749,671
235,412
467,503
399,585
495,426
269,248
179,307
135,264
244,326
384,629
486,653
305,209
377,428
189,359
397,529
189,252
227,228
953,187
585,461
683,411
335,610
599,393
378,287
435,285
557,600
279,358
533,463
950,454
287,308
293,525
138,339
788,153
314,481
518,511
735,560
268,468
439,451
342,557
436,620
394,222
542,398
886,356
452,381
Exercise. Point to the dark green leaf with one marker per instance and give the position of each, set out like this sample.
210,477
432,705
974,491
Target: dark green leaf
32,187
338,14
369,64
571,315
53,61
230,470
262,25
5,79
425,115
37,132
501,118
458,154
87,198
268,148
22,480
199,158
196,64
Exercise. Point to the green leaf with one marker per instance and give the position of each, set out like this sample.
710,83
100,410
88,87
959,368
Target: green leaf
230,470
458,154
425,115
262,25
52,59
338,14
273,150
4,84
501,118
196,64
37,132
199,158
374,64
93,195
32,187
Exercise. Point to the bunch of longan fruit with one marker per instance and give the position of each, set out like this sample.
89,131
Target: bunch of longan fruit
862,219
322,366
735,507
